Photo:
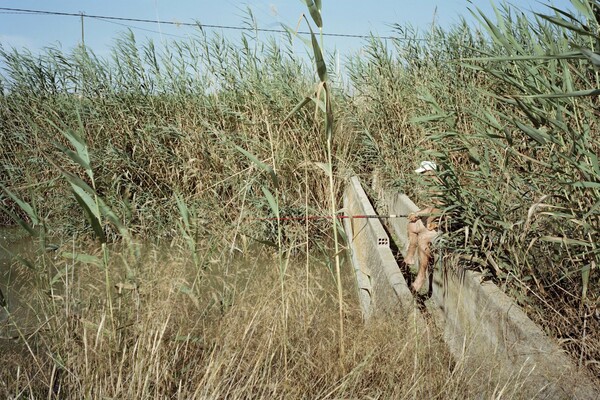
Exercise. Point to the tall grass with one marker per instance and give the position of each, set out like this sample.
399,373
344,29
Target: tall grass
216,336
184,141
167,122
528,199
509,110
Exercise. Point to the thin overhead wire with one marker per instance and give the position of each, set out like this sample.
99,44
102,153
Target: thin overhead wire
138,28
190,24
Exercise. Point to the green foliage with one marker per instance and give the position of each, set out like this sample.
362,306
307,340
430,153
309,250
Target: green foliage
539,132
509,112
261,165
314,8
26,208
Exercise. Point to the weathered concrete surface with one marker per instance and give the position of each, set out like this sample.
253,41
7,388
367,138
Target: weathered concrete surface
361,272
487,331
382,288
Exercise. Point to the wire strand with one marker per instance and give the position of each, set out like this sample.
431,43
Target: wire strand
196,24
137,28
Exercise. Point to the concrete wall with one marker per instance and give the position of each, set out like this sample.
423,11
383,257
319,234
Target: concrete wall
382,288
486,330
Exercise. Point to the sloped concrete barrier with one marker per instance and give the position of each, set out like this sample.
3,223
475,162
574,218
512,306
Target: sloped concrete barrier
382,288
486,330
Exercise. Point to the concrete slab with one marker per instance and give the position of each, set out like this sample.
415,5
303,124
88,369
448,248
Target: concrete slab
382,288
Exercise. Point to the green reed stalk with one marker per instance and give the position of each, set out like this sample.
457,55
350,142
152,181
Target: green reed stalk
314,8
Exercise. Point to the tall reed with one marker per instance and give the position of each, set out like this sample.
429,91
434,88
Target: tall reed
164,122
508,109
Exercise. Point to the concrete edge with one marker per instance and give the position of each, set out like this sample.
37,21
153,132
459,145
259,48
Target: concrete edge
513,337
372,257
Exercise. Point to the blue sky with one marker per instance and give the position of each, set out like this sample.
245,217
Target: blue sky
340,16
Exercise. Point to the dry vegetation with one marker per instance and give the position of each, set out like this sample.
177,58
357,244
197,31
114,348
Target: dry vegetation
192,144
220,335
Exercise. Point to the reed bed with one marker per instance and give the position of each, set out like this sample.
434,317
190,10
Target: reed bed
160,128
182,144
509,111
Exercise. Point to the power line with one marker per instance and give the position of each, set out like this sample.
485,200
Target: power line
140,29
196,24
14,13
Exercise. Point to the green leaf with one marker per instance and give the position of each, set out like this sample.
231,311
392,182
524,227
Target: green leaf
260,164
429,99
78,143
26,262
318,102
298,107
83,190
23,205
315,12
326,167
318,5
577,93
184,212
22,223
535,134
567,14
594,161
82,157
566,241
562,56
272,202
590,55
75,157
492,120
293,33
328,113
582,184
568,81
83,258
84,200
107,212
592,210
566,24
62,272
496,34
585,279
474,154
27,208
583,6
319,61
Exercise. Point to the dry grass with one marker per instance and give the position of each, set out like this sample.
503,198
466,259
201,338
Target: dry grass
219,333
161,124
